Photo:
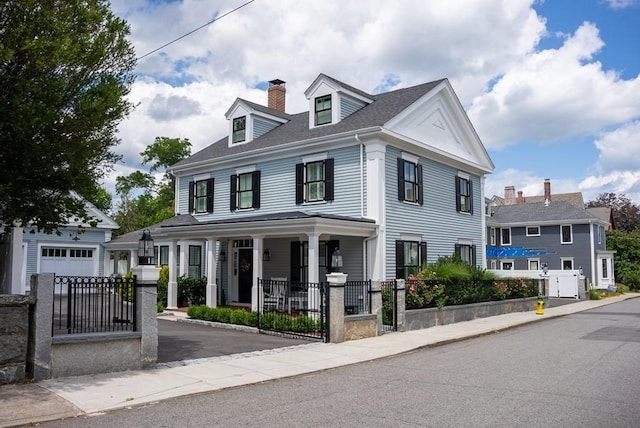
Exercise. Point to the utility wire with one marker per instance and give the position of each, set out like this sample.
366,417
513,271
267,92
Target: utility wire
193,31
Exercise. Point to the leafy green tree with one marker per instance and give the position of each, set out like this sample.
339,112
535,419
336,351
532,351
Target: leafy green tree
626,214
627,257
154,200
66,68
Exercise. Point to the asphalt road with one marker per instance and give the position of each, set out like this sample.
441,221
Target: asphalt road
581,370
178,341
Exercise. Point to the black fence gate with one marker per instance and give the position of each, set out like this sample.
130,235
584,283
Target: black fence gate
389,305
294,309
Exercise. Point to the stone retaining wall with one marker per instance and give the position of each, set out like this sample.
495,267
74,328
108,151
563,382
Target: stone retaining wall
360,326
14,337
416,319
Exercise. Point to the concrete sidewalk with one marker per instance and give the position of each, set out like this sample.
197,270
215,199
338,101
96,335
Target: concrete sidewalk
67,397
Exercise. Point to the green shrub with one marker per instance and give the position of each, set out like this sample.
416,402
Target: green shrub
594,294
163,285
191,291
160,307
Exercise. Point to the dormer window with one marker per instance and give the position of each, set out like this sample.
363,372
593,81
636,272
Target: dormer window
323,110
239,129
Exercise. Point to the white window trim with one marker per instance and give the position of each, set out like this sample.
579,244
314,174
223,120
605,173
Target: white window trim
563,259
503,261
600,228
314,157
201,177
410,158
246,169
493,264
526,229
464,175
502,237
413,237
533,260
571,234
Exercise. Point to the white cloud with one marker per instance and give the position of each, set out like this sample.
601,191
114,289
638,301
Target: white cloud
620,4
526,181
619,148
556,94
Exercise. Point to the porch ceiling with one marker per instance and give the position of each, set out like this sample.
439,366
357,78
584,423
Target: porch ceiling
272,225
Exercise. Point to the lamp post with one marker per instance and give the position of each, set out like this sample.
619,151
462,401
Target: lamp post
145,249
336,261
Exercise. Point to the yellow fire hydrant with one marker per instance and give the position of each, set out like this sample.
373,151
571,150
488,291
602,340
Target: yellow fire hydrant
540,308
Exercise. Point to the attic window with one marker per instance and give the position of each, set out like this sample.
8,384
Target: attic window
239,127
323,110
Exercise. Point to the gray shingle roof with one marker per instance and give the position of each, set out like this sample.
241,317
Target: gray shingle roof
276,216
134,237
384,108
557,211
266,110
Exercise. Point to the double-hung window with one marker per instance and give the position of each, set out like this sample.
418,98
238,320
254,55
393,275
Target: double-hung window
409,181
239,129
466,253
566,234
410,257
323,110
195,261
505,236
201,196
314,181
245,191
464,192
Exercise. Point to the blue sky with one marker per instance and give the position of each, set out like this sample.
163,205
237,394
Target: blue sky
552,87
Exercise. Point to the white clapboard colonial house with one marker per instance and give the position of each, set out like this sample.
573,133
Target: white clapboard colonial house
393,180
77,250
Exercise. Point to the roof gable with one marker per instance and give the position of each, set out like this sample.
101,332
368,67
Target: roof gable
437,122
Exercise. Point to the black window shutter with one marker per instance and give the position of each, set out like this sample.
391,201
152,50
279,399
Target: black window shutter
473,255
470,196
458,205
328,180
423,254
295,261
234,191
400,259
299,183
191,189
400,179
255,186
456,251
210,195
420,186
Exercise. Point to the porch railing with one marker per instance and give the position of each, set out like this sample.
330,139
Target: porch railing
88,304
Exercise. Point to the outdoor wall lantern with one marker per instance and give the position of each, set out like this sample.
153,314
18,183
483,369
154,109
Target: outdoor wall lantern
336,260
145,249
266,255
223,256
545,268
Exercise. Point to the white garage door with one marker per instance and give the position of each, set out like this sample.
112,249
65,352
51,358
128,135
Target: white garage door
68,261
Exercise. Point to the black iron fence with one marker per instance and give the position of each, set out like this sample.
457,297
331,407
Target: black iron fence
86,304
294,309
389,290
357,297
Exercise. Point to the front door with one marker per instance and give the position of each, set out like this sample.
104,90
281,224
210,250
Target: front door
245,274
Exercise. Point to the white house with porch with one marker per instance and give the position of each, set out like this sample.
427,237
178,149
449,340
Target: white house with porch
393,180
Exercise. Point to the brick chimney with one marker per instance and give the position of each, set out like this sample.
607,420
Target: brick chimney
509,195
276,95
520,199
547,190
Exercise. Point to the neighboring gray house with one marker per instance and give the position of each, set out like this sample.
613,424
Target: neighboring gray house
393,180
525,236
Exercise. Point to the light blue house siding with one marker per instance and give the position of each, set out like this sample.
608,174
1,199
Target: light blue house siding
349,106
262,126
437,220
90,239
277,188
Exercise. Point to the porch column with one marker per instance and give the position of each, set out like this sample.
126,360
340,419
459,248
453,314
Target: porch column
133,259
184,262
212,263
172,288
314,274
256,290
376,154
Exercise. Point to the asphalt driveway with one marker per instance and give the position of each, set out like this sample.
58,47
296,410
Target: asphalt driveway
178,341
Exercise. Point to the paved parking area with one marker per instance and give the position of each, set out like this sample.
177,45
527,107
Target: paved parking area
178,341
